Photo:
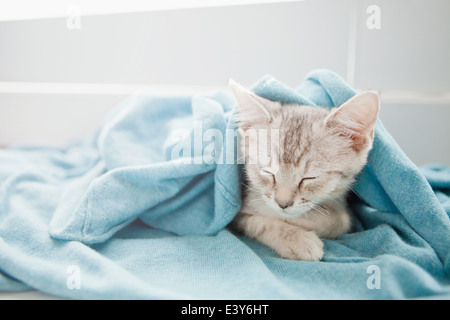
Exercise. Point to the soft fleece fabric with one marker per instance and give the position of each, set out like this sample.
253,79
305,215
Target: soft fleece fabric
138,225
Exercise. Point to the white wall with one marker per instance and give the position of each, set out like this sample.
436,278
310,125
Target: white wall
411,51
197,46
407,60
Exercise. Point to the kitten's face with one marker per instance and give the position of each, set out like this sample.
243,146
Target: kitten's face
316,155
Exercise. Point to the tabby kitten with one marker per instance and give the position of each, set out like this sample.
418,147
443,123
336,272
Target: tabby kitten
299,195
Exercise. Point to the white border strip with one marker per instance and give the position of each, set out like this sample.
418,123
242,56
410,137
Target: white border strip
43,9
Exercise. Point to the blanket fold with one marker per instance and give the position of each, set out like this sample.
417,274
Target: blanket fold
140,210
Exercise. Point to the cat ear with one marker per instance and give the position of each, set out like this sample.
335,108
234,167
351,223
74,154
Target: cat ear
252,109
356,119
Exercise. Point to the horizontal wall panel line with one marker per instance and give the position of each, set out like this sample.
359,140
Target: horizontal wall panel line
400,97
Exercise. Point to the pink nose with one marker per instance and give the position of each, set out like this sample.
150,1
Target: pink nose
284,204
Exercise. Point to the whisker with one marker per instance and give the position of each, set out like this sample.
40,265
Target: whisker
318,208
250,188
352,190
324,209
311,208
240,158
257,200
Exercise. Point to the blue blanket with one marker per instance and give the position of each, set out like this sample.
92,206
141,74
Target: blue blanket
119,216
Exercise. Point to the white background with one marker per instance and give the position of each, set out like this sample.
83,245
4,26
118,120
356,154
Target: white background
57,84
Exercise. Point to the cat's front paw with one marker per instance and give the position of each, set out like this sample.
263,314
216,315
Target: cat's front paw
300,245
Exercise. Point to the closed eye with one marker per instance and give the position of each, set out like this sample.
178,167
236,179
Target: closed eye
268,173
306,179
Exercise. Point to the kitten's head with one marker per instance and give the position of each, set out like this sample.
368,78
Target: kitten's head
317,153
